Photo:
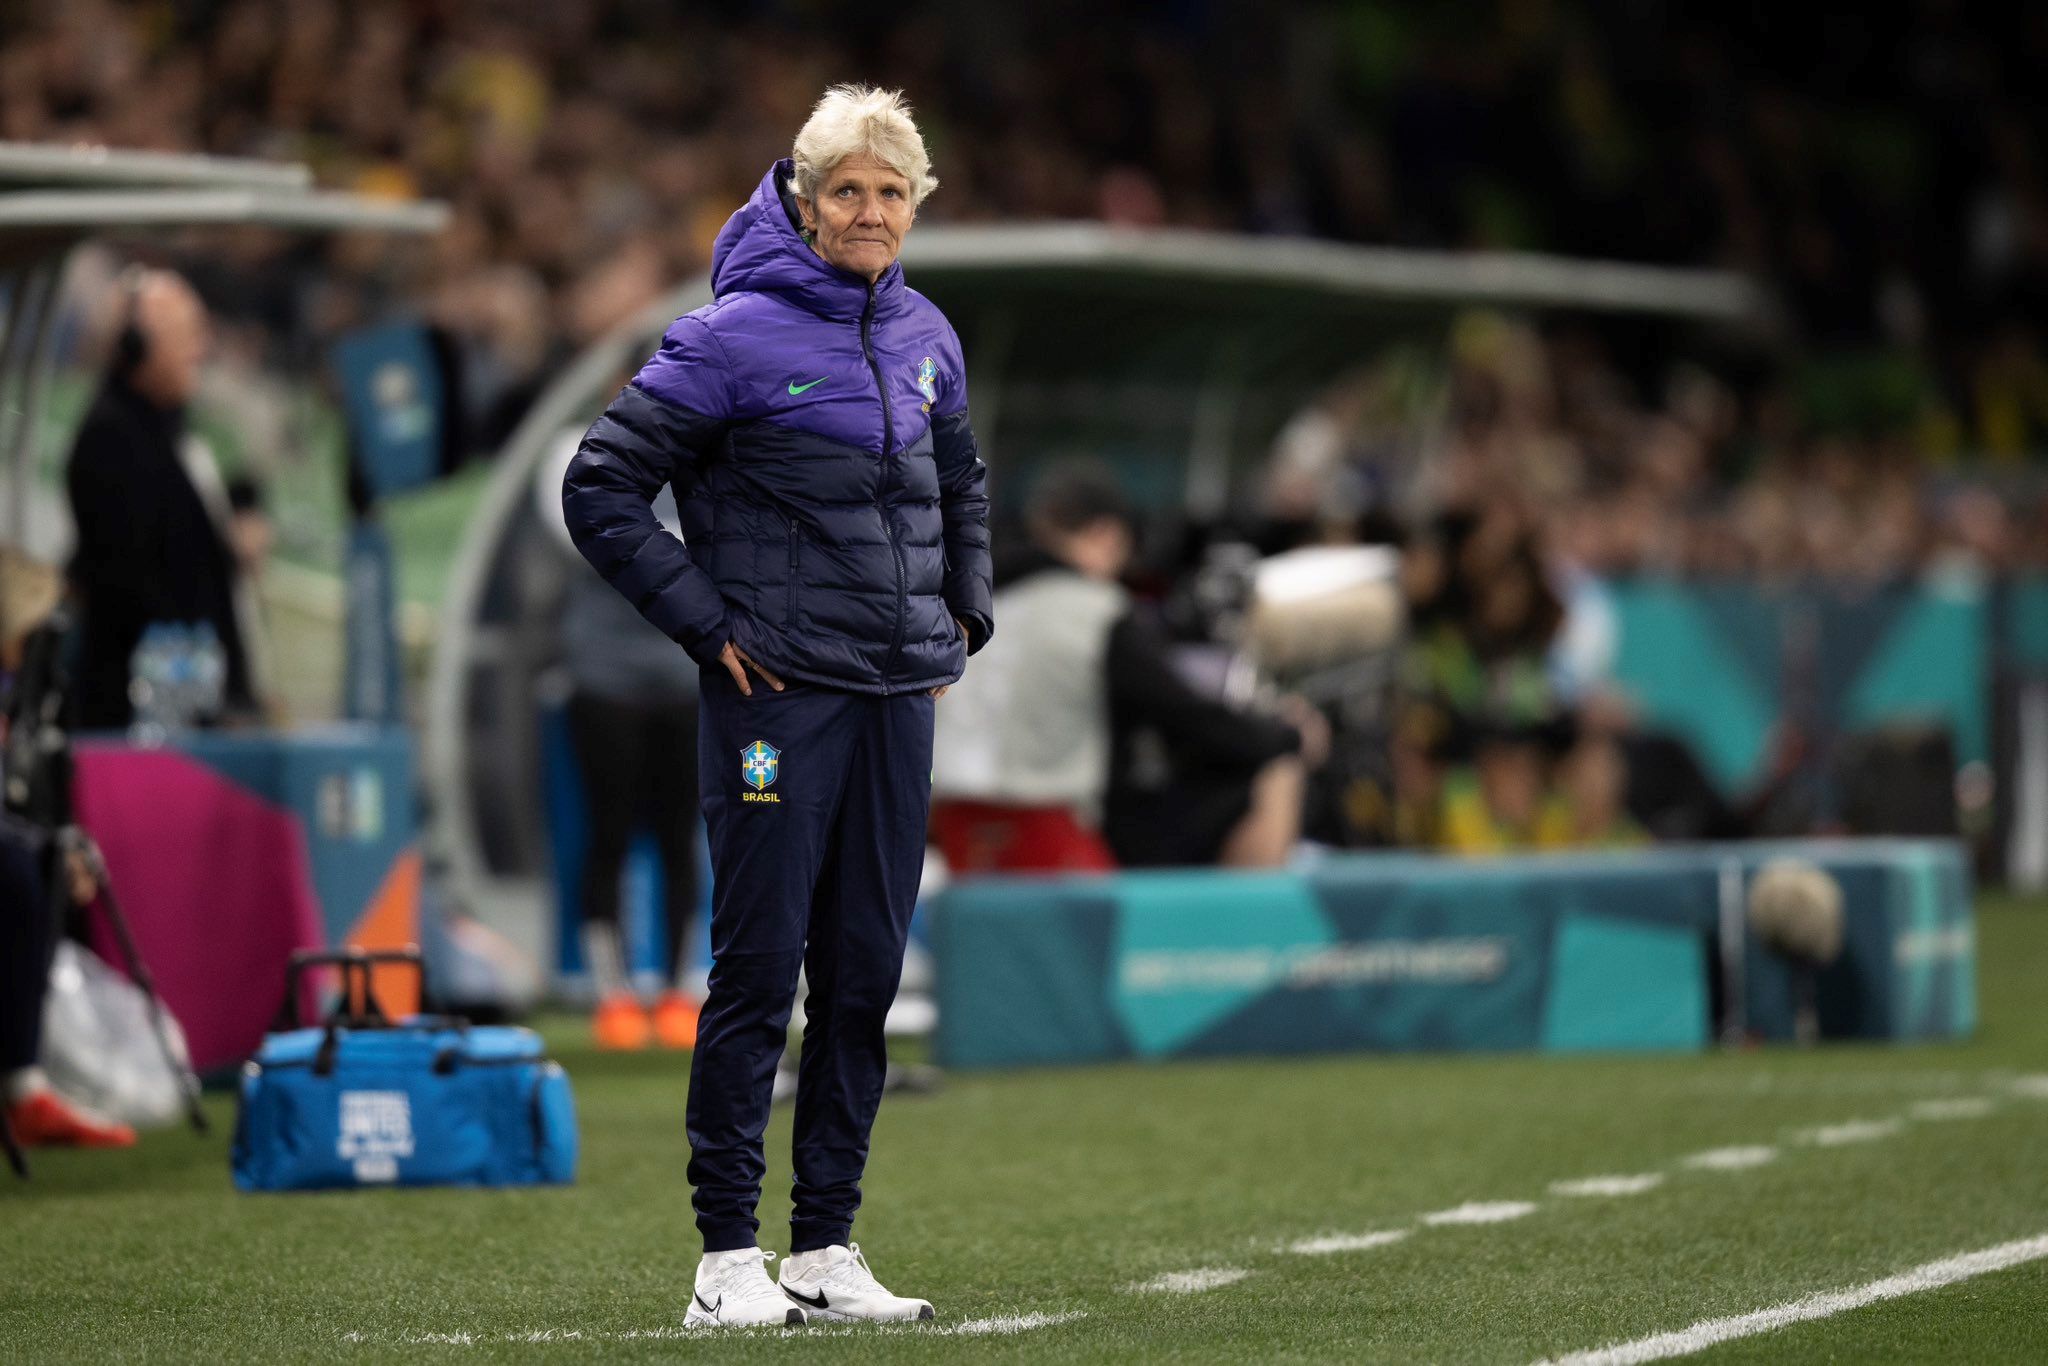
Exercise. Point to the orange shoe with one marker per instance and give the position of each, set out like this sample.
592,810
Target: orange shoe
675,1021
47,1120
620,1024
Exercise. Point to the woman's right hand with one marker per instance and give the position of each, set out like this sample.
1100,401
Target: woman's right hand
737,663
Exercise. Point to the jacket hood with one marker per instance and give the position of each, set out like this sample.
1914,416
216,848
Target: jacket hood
758,250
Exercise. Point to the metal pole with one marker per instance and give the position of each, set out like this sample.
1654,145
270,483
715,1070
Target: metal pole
1215,420
39,355
1734,939
27,297
71,839
13,285
986,366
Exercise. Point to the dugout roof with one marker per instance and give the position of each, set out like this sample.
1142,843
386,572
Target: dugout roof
54,197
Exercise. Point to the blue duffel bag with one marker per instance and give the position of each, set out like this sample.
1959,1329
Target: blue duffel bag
362,1100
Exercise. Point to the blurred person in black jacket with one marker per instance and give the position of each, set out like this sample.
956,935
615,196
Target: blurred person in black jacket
150,512
1082,706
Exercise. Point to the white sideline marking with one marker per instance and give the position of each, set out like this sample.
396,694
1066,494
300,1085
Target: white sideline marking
1007,1323
1481,1212
1854,1131
531,1336
2034,1086
1963,1107
1189,1282
1708,1332
1345,1242
1732,1159
1609,1185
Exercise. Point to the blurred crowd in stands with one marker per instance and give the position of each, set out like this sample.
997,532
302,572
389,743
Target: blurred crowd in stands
1882,170
1549,438
1552,477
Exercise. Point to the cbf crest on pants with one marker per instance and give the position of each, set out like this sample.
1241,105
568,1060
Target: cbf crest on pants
759,763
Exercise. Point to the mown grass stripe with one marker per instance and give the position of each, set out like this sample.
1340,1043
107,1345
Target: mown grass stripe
1609,1185
1963,1107
1732,1159
1481,1212
1851,1131
1191,1282
1345,1242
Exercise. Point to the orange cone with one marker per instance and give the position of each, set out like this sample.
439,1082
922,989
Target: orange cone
675,1021
620,1024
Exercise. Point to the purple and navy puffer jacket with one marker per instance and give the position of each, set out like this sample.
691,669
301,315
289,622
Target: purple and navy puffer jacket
834,509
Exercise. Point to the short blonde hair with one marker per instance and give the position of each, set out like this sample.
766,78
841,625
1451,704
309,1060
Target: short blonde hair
850,120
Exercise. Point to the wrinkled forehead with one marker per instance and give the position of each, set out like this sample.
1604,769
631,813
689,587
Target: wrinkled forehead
862,168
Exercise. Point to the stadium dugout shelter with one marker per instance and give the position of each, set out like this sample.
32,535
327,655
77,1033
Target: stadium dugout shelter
314,873
54,197
1176,356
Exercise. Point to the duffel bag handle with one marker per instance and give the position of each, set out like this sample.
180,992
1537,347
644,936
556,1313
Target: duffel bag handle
357,1006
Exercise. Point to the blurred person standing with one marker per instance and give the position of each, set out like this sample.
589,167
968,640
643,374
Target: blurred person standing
1023,743
633,728
149,506
832,579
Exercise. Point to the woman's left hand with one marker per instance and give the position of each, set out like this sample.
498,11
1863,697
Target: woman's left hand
961,626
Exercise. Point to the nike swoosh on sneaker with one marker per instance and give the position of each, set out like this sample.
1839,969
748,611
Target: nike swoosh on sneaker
707,1308
814,1301
796,388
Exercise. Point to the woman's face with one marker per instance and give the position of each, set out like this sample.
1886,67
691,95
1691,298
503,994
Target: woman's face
860,215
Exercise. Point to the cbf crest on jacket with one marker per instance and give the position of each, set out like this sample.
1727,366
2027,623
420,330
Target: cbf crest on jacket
834,508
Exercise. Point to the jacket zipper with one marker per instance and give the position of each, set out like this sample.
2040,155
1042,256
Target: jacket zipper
867,318
796,546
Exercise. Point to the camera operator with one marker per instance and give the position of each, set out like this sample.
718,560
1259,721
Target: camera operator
35,765
1077,709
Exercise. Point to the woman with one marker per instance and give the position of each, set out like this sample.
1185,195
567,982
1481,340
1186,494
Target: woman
832,579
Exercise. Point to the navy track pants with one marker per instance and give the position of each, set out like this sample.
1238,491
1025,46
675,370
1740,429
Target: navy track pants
816,802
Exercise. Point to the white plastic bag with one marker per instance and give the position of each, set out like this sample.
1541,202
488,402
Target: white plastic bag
98,1047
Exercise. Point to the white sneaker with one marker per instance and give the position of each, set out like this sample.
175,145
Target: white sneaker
733,1291
834,1283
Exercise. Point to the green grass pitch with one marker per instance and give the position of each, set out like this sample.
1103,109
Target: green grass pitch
1053,1193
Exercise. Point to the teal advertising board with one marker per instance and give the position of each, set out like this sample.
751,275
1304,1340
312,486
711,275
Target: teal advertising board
1859,657
2026,622
1411,952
